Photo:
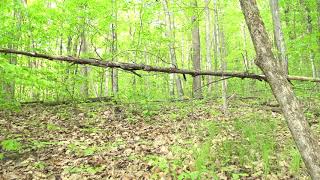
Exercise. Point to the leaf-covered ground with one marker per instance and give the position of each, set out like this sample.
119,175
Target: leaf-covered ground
180,140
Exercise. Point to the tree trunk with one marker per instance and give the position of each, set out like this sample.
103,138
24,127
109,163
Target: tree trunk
171,36
216,37
208,44
223,66
282,90
197,91
278,35
84,69
318,25
114,49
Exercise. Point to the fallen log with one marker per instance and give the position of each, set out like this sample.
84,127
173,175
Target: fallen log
142,67
56,103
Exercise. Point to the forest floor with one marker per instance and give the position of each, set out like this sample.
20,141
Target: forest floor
178,140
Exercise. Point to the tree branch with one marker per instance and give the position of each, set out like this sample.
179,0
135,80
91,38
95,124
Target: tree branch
141,67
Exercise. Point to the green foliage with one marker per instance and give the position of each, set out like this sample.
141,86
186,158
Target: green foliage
52,127
40,165
258,135
1,156
11,145
296,161
35,144
159,162
141,39
83,169
81,150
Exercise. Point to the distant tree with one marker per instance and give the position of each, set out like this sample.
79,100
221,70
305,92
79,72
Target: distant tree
171,36
278,35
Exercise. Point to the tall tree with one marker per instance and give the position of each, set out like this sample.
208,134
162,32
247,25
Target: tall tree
223,66
282,90
216,38
197,91
208,44
318,24
114,48
278,35
84,69
171,35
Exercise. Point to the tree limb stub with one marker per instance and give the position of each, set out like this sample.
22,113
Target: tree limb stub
147,68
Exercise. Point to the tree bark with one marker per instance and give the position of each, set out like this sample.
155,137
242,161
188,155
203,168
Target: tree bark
278,35
223,66
216,37
208,44
114,49
282,90
318,25
196,86
84,69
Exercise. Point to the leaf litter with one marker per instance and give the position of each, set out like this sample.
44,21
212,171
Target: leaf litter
138,141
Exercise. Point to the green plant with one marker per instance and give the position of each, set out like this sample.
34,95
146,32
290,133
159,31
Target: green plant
52,127
1,156
295,161
159,162
41,144
202,156
190,175
40,165
11,145
80,149
267,149
84,169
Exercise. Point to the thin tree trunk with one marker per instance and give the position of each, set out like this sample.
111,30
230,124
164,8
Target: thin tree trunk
216,37
114,49
84,69
208,44
197,91
223,66
278,35
282,90
245,52
171,36
318,24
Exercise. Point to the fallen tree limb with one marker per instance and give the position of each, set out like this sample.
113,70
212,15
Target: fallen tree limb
142,67
56,103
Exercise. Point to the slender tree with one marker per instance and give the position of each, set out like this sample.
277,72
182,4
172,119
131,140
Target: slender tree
171,35
84,69
208,44
197,91
278,35
223,66
216,38
114,48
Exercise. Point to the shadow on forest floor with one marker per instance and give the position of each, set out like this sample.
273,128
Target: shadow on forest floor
181,140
